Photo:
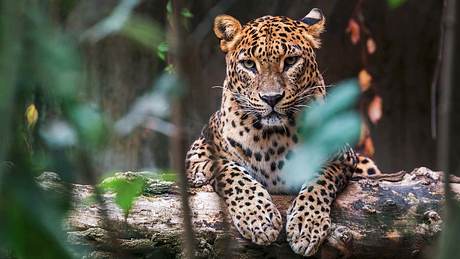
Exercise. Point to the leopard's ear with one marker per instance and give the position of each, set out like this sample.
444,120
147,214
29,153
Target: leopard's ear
315,21
228,30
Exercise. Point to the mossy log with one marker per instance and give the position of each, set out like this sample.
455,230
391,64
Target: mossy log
372,219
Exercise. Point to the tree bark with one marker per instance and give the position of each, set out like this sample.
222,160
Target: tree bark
371,219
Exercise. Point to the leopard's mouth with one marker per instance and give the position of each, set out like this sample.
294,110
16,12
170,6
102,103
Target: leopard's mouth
273,119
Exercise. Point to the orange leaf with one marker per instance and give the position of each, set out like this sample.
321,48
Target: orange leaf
375,109
369,149
371,46
365,80
365,145
354,30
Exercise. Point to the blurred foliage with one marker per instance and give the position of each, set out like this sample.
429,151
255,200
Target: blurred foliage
113,23
186,13
129,186
146,32
45,64
324,128
151,109
395,3
162,50
167,176
47,126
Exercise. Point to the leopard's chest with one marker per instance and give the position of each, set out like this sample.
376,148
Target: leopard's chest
264,152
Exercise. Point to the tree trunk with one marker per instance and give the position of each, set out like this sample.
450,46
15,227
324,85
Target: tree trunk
372,219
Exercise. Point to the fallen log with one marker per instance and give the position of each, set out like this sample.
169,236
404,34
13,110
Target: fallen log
372,219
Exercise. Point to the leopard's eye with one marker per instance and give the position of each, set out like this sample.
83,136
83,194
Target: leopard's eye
249,64
289,61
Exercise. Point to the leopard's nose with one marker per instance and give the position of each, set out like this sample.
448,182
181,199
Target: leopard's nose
272,98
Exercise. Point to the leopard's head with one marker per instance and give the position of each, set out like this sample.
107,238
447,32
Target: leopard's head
271,65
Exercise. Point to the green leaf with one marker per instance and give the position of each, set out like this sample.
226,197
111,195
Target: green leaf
338,131
162,50
126,190
395,3
186,13
169,7
324,129
340,99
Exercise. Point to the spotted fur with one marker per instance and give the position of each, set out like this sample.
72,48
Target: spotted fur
271,75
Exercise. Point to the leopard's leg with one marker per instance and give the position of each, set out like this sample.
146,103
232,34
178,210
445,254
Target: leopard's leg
308,218
248,203
198,163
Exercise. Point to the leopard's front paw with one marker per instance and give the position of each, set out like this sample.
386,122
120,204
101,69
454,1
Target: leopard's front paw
257,220
307,226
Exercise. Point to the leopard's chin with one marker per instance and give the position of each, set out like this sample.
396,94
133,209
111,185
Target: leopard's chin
273,119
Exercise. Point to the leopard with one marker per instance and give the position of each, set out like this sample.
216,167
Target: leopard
271,75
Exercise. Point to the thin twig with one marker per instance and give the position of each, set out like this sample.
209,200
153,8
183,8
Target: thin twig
176,37
448,21
89,175
434,80
450,237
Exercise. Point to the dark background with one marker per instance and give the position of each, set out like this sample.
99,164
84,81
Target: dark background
407,40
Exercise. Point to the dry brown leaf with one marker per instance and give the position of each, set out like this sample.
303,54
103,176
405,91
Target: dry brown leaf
371,46
365,145
375,109
369,149
354,30
365,80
